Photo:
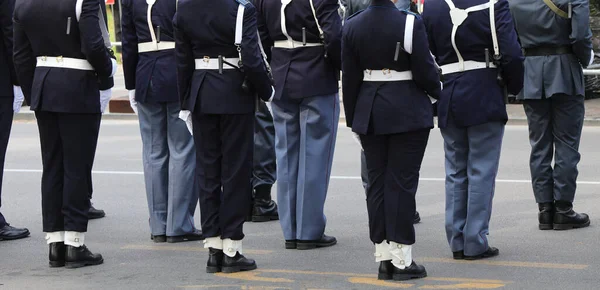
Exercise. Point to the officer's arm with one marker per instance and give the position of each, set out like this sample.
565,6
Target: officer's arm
331,23
263,30
105,83
254,66
91,39
581,34
510,49
422,64
352,76
130,42
6,11
185,60
24,59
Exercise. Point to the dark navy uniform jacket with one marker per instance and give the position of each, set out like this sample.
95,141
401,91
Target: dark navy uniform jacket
474,97
153,74
8,78
207,28
302,72
40,29
369,41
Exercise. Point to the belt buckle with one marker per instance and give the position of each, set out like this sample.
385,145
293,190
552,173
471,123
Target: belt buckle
368,72
59,60
387,73
206,60
44,58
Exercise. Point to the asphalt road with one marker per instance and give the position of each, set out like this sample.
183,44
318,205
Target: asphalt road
529,258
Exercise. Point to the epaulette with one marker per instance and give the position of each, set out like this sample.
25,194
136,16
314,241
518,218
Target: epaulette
243,2
417,15
355,13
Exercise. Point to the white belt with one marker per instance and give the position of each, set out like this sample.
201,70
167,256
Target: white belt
386,75
64,62
155,46
294,44
213,63
468,65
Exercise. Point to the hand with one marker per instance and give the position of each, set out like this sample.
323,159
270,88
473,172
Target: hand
132,101
104,99
186,116
114,67
19,97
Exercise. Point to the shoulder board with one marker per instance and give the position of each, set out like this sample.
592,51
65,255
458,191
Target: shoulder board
355,13
243,2
407,12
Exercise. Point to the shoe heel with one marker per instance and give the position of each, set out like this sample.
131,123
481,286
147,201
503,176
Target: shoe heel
74,265
562,227
213,269
404,277
290,245
545,227
57,264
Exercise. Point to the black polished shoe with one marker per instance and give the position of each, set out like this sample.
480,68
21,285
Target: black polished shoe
158,238
491,252
417,218
264,209
413,272
565,218
56,254
196,235
546,215
386,270
77,257
325,241
8,232
237,264
291,244
95,213
215,260
458,255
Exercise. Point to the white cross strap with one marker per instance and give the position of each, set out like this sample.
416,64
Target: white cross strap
386,75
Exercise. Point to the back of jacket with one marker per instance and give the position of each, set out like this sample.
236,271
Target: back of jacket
8,77
43,29
153,74
539,26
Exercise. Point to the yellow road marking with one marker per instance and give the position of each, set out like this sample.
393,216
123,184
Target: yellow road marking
253,276
508,263
378,283
186,249
464,286
316,273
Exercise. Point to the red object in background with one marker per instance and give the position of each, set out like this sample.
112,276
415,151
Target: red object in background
110,2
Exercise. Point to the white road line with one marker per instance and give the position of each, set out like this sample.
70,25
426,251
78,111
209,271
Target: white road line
332,177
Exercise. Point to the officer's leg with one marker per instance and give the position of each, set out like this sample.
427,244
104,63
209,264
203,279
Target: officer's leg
485,143
155,155
286,118
6,117
568,112
456,149
182,190
264,166
319,119
376,161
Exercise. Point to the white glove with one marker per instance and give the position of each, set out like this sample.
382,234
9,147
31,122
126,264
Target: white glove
186,116
132,101
19,97
104,99
272,94
591,58
114,66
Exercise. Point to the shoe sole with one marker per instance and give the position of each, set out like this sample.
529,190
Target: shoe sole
404,277
213,269
181,240
384,276
157,239
259,219
57,264
238,269
74,265
545,227
310,246
473,258
15,237
562,227
291,246
96,217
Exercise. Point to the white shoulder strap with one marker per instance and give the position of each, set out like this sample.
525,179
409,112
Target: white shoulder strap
149,19
493,28
239,25
78,6
312,6
408,33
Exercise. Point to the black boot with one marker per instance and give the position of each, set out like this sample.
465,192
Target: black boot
565,218
413,272
215,260
546,215
237,263
386,270
56,254
417,218
77,257
264,209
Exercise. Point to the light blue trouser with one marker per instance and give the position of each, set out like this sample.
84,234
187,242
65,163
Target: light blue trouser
169,165
472,158
305,131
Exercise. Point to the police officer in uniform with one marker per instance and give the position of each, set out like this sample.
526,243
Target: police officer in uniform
556,38
385,90
220,72
11,100
305,36
168,147
62,58
475,44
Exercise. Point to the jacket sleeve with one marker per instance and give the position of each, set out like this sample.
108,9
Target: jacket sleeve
263,30
91,39
510,49
130,42
6,11
24,59
185,61
105,83
423,66
352,75
581,34
254,65
331,23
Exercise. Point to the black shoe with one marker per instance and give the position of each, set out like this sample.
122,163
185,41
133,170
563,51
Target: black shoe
158,238
215,260
491,252
546,215
264,209
11,233
459,255
417,218
565,218
56,254
196,235
386,270
237,264
77,257
413,272
291,244
95,213
325,241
